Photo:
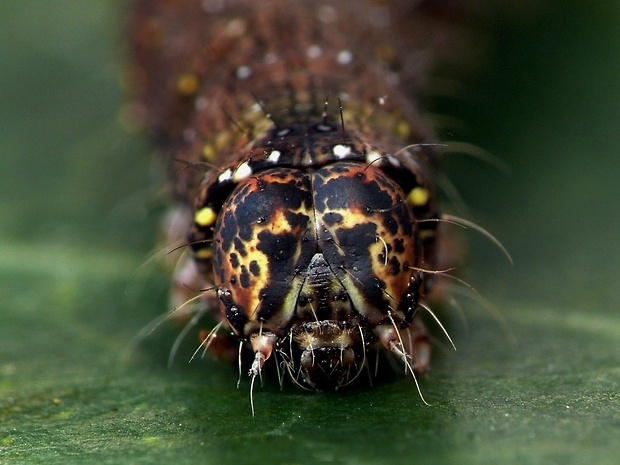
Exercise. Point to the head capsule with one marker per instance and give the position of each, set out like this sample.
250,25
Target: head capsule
309,262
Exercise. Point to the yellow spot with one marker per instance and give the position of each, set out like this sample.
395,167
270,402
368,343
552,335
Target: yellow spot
203,254
205,217
403,130
418,196
208,152
187,84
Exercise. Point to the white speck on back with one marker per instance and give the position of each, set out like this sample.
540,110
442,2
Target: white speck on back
243,72
242,172
373,156
314,51
344,57
225,176
341,151
274,156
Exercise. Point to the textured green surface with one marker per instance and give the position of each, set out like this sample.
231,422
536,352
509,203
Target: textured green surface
76,223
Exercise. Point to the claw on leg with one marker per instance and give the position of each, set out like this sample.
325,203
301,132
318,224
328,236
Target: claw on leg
262,345
420,348
390,337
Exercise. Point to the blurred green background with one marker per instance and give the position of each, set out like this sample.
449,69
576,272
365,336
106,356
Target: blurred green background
79,203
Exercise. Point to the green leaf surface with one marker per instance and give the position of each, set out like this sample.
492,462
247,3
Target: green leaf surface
536,380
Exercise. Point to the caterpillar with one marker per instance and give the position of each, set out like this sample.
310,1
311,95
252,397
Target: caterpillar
302,174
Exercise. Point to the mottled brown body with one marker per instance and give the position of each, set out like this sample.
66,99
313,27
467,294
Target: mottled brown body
306,217
192,67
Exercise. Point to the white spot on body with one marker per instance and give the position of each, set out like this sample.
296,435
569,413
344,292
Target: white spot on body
274,156
242,172
243,72
344,57
236,27
372,157
314,51
341,151
225,176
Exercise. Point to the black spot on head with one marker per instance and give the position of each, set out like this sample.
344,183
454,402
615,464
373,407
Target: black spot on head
394,265
240,246
278,247
254,268
331,218
390,223
398,245
245,279
296,220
